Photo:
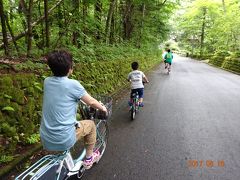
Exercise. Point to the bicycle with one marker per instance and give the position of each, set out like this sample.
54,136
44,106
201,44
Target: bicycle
134,107
63,165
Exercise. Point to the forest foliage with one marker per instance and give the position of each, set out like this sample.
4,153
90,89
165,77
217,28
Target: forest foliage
210,30
209,27
92,29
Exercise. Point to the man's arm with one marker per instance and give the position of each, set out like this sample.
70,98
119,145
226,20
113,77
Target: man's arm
89,100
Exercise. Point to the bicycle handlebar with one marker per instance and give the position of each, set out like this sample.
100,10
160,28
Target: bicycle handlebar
88,112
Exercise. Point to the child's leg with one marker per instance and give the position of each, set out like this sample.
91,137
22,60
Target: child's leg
87,130
140,93
130,102
169,66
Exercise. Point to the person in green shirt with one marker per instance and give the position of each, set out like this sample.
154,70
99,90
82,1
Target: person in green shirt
168,60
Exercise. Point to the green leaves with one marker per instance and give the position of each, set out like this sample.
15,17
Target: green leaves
5,158
7,96
38,86
34,138
8,108
221,28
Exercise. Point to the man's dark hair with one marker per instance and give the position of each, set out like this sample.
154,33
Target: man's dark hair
168,50
59,61
135,65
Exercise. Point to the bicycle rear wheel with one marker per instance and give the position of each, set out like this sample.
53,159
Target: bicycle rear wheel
102,136
133,113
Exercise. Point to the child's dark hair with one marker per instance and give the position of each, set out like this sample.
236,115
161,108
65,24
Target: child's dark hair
135,65
59,61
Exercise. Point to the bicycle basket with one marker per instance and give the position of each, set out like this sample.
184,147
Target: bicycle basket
88,113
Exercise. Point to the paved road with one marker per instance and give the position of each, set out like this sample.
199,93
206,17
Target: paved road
191,114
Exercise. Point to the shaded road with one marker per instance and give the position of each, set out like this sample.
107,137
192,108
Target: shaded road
191,114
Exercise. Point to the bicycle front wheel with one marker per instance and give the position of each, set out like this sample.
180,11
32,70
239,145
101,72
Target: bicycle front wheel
102,136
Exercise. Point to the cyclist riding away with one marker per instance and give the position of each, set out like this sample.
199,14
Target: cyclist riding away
58,128
137,78
168,60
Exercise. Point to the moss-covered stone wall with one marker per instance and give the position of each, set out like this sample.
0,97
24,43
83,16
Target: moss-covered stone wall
21,97
228,63
232,64
20,106
216,60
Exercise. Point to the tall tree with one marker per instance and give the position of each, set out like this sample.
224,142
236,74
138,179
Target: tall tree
29,24
138,44
109,19
224,6
98,18
127,20
75,12
84,15
46,23
4,29
203,30
12,34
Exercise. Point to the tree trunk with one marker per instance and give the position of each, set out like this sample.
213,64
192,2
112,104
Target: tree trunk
40,40
22,9
112,29
141,26
109,20
203,31
4,29
127,21
29,24
224,6
75,13
84,20
46,23
12,35
98,19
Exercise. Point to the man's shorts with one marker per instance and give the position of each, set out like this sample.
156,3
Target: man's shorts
170,63
139,91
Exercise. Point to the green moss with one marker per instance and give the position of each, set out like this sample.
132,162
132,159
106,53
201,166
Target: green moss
8,130
4,102
18,95
29,107
232,64
6,81
1,117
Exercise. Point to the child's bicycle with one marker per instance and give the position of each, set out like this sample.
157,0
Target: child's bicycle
134,105
65,165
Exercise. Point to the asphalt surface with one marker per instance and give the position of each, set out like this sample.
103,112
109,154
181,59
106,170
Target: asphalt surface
189,128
